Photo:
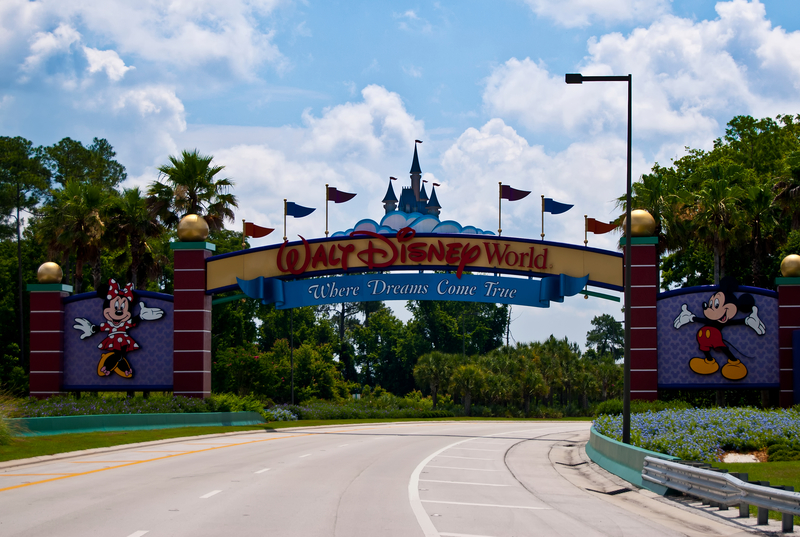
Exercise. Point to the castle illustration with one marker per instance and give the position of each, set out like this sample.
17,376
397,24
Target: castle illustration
413,199
414,209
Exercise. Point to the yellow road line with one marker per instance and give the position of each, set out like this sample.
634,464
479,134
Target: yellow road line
132,463
95,462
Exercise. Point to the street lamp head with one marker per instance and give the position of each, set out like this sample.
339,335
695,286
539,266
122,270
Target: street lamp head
574,78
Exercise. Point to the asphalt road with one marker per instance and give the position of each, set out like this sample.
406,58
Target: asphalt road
449,479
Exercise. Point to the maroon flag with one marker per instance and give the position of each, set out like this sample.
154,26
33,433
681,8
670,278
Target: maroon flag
598,228
393,178
512,194
436,184
337,196
252,230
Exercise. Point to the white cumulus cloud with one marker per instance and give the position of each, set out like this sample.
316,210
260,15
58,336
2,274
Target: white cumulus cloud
579,13
106,60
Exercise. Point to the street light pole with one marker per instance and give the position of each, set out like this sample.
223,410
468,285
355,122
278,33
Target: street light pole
577,78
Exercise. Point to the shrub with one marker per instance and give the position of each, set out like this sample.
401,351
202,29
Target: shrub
703,434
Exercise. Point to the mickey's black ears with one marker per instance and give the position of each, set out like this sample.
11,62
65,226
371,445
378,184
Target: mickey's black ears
728,284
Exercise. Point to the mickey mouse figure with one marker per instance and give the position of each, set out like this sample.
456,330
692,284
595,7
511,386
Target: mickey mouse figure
118,305
719,312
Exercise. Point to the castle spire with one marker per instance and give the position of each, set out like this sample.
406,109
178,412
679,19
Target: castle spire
390,200
416,172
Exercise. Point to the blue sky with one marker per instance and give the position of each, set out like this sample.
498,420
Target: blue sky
290,95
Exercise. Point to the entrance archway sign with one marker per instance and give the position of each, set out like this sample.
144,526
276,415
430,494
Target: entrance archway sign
271,273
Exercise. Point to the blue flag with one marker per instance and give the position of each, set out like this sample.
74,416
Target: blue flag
554,207
298,211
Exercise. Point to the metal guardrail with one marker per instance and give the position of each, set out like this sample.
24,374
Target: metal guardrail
722,490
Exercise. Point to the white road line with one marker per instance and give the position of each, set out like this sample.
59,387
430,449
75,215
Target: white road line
478,449
210,494
424,521
306,455
262,471
462,535
461,483
457,468
470,458
491,505
138,533
344,445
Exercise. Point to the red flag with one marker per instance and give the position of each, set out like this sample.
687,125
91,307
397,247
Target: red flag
252,230
337,196
393,178
512,194
598,228
436,184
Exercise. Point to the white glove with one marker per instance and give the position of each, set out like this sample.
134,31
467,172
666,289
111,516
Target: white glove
83,325
755,323
149,314
684,317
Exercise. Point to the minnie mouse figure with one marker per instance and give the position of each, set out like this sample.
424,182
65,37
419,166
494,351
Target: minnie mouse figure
719,312
118,305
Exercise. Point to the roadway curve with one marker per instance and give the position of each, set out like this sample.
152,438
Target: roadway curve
448,479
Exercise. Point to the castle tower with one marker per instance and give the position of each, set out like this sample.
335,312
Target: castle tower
433,206
416,172
390,200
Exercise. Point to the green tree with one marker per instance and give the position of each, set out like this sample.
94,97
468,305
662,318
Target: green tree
433,371
607,336
467,328
189,185
69,160
468,379
132,228
24,180
73,224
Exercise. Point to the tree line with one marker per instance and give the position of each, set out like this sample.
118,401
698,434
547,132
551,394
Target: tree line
732,209
729,210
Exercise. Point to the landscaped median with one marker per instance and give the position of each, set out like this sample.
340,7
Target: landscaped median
123,422
623,460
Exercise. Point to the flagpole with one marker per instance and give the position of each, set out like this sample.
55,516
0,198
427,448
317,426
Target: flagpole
542,216
586,230
500,210
327,198
244,232
284,219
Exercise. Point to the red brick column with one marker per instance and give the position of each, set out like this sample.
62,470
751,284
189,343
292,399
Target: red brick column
788,321
191,375
47,338
644,335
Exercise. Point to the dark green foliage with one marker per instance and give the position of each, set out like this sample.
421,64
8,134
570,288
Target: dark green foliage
614,406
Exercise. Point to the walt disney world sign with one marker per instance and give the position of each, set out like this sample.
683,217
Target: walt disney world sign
353,269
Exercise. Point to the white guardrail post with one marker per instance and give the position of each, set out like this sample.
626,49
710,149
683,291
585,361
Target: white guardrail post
724,490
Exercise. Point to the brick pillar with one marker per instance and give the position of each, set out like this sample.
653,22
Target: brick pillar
789,322
191,375
644,338
47,338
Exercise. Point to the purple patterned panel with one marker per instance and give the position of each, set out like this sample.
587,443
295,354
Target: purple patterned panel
677,346
151,362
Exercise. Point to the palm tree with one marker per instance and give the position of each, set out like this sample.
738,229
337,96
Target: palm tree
717,218
188,185
434,370
73,224
132,227
468,379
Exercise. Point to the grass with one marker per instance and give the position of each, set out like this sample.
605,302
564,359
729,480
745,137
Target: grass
35,446
776,473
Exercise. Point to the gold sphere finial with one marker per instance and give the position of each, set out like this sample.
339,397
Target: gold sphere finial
642,223
193,228
790,266
49,272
